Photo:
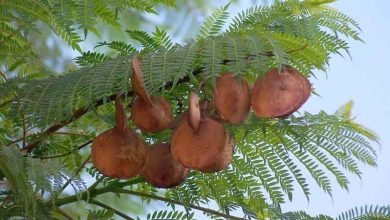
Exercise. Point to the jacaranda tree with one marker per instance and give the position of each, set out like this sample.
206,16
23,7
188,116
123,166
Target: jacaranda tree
49,119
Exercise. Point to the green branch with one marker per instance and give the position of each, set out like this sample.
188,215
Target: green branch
91,192
121,214
210,211
118,188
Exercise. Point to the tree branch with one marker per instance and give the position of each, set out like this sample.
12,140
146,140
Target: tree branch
82,111
117,212
118,188
210,211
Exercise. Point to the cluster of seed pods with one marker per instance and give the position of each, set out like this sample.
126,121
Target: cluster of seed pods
200,140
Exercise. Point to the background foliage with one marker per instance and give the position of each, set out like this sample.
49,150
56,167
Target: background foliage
48,116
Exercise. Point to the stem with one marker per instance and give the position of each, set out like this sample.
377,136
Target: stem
91,192
76,173
68,133
210,211
4,76
24,131
93,186
5,103
298,49
121,214
14,141
65,154
118,188
64,214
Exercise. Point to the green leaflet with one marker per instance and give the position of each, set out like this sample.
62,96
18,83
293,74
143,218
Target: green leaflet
64,18
28,180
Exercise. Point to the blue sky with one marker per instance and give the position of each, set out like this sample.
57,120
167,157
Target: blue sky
365,80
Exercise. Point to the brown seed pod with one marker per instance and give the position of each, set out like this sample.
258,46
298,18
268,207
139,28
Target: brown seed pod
232,98
198,149
153,117
276,94
119,152
161,169
224,158
137,81
305,83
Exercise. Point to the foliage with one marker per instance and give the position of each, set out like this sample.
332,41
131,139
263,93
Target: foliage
361,213
64,18
56,117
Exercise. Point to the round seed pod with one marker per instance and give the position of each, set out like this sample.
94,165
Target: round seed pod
232,98
153,117
198,149
305,83
224,158
161,169
276,94
119,152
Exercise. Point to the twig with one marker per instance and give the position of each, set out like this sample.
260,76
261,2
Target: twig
117,212
5,103
118,188
298,49
76,173
93,186
4,76
91,192
76,115
6,200
24,131
271,54
69,133
14,141
64,214
65,154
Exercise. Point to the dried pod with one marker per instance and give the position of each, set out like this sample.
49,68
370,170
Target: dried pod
153,117
277,94
161,169
232,98
198,149
305,83
224,158
194,111
119,152
137,81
